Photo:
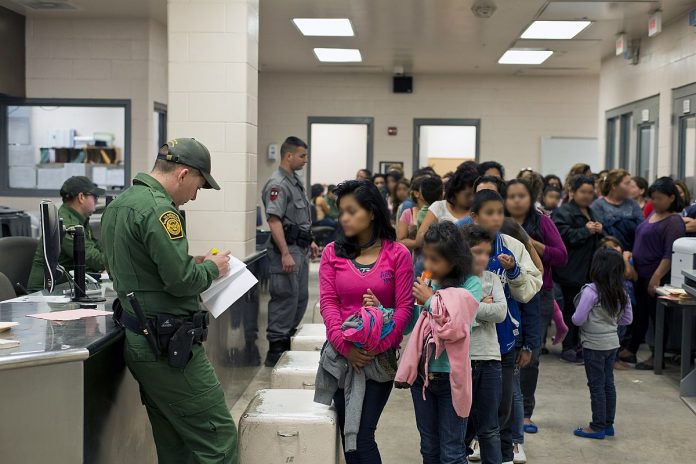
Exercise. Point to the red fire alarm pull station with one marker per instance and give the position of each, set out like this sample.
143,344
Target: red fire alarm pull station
392,130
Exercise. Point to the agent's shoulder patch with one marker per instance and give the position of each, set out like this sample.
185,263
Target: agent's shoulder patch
172,225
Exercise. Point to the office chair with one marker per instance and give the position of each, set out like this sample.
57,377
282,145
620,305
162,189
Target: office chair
16,256
7,291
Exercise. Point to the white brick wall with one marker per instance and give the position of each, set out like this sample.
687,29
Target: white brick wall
667,61
515,112
100,58
213,61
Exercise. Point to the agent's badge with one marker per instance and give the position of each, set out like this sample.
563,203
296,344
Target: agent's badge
172,225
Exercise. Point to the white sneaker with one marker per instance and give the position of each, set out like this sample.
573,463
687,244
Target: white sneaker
476,455
508,462
520,456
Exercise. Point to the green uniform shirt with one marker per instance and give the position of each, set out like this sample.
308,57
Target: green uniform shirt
94,256
146,251
333,208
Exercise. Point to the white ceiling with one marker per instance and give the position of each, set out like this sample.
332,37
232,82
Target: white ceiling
156,9
443,36
434,36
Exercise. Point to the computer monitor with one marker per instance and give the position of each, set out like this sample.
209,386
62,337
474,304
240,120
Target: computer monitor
51,235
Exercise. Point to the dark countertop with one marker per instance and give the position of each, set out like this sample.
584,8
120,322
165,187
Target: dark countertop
47,342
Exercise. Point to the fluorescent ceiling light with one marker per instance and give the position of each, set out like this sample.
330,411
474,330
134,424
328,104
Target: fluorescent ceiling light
522,56
554,29
338,55
324,27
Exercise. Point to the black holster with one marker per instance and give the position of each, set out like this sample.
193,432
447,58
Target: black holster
175,336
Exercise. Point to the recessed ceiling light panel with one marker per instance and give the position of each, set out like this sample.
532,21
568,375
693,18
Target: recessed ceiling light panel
324,27
555,30
522,56
338,55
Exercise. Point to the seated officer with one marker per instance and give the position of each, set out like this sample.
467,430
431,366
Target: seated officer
79,195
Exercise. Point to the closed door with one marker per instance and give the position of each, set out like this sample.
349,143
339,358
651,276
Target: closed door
631,142
687,146
645,155
684,142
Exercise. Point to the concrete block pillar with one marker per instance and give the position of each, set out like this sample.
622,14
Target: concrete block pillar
213,96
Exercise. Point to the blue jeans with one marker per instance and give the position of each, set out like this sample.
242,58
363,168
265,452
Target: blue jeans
505,411
517,409
441,430
487,389
599,367
376,396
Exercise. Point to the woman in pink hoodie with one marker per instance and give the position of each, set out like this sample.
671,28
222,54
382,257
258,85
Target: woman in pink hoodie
365,262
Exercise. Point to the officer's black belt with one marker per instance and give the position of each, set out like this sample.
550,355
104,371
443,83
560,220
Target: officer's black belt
175,336
294,235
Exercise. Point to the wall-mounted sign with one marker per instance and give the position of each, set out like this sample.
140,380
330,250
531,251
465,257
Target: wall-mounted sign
655,24
620,44
645,115
686,106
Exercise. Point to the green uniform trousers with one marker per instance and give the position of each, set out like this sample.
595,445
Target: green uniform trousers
190,420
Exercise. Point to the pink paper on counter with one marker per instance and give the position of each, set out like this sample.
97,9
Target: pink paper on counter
70,315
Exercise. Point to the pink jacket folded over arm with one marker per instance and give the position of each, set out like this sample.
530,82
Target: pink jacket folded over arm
342,286
449,321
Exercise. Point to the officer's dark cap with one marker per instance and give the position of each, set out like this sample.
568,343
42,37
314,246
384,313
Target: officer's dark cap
192,153
76,185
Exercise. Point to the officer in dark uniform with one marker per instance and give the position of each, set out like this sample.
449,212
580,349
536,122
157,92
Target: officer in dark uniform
289,218
79,196
146,249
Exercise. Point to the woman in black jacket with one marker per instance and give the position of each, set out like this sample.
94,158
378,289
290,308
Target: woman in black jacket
581,235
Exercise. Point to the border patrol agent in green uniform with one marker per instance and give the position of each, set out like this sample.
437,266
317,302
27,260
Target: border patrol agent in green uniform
80,196
290,221
144,238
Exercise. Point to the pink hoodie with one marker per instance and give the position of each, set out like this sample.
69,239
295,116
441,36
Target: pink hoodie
342,286
449,322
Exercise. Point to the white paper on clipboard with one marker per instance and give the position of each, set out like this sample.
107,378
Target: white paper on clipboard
225,291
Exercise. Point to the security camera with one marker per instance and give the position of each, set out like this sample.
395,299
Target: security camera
483,8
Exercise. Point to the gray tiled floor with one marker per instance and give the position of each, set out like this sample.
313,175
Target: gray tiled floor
653,425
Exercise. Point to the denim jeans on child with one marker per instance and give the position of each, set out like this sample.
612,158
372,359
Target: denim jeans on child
505,411
530,374
599,367
441,430
376,396
517,409
487,386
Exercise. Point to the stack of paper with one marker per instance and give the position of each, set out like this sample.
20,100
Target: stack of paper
6,344
224,291
70,315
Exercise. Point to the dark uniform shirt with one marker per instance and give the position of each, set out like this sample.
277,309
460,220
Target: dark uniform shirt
146,250
284,196
94,256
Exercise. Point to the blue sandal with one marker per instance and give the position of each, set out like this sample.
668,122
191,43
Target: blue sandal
531,428
579,432
609,431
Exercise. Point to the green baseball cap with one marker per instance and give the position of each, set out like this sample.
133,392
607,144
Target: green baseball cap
192,153
76,185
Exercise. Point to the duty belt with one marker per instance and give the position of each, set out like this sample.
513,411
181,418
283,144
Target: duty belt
174,337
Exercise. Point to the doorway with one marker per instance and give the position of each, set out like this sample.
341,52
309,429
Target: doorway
338,148
160,125
444,144
684,142
631,138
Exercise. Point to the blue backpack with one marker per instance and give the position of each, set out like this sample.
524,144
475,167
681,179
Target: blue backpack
509,329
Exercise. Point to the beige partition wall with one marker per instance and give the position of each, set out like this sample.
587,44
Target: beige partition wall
213,81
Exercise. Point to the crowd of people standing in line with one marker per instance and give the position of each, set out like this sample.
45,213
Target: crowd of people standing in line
475,268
